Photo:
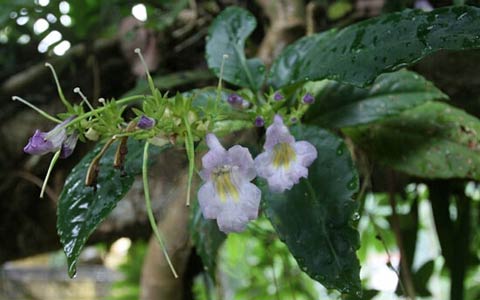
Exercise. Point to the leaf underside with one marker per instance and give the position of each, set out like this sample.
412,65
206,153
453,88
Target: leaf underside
434,140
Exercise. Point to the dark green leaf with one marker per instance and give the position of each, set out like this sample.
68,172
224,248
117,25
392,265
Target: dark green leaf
366,295
207,239
314,217
341,105
434,140
421,278
81,209
359,53
227,35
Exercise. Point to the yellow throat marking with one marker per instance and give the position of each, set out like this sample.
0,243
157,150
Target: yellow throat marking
283,155
223,184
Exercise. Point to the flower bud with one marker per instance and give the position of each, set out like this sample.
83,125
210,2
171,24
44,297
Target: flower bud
145,122
234,99
259,121
92,134
278,96
308,98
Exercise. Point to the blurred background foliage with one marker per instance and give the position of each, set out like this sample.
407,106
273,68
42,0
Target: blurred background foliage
438,220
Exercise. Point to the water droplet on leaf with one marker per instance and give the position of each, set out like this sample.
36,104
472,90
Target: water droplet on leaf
356,216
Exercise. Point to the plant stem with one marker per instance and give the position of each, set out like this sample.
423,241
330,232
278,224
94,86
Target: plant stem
49,171
406,272
41,112
148,204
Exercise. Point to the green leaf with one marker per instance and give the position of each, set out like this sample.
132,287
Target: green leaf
340,105
81,209
314,217
421,278
227,35
359,53
207,239
434,140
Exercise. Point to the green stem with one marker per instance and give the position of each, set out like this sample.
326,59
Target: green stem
41,112
59,88
100,109
191,158
49,171
148,204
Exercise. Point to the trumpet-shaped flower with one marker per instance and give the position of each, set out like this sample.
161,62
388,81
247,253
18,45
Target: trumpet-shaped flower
227,193
284,161
44,142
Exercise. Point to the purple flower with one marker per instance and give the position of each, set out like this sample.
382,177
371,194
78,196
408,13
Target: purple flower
277,96
69,145
227,194
423,5
44,142
145,122
235,99
308,98
259,121
284,161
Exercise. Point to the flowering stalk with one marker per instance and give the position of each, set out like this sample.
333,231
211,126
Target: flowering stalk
41,112
189,146
59,88
49,171
148,204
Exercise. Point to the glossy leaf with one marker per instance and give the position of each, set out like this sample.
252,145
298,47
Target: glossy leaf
340,105
434,140
227,35
314,217
207,239
359,53
81,209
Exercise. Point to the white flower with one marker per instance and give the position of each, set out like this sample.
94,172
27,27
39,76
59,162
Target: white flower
227,194
284,161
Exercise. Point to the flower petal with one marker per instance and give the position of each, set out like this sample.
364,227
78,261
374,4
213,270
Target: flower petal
231,221
263,164
38,144
280,181
306,152
69,145
214,157
277,133
209,202
241,157
250,200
